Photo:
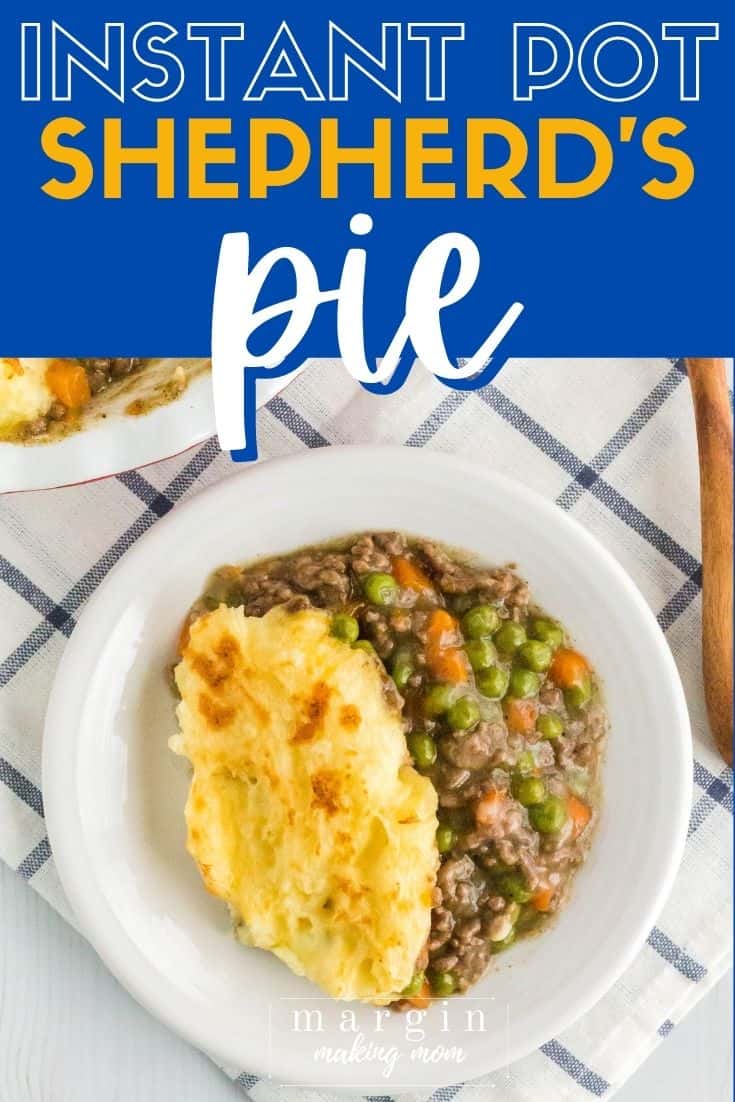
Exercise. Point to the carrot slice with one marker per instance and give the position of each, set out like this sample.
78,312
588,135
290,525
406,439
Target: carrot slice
423,999
450,665
489,807
579,813
569,668
542,899
521,715
409,575
444,658
68,383
442,627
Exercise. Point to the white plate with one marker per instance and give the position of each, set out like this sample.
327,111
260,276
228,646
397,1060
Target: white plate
114,794
117,442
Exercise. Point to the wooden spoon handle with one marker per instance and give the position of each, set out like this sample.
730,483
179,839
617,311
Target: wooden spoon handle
714,438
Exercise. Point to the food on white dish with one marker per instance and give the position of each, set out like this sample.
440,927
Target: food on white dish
43,399
498,710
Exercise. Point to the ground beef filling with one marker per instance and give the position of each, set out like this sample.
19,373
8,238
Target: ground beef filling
100,374
499,709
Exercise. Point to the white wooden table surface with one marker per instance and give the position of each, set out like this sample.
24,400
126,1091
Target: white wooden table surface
69,1033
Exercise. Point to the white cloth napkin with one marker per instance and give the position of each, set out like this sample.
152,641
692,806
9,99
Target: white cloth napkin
613,442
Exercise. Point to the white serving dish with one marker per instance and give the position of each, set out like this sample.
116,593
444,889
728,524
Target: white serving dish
114,793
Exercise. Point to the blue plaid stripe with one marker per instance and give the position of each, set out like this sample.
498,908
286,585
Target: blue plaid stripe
545,441
578,1071
196,466
719,788
446,1094
665,544
296,424
31,645
74,598
142,488
717,791
38,856
24,789
701,811
246,1080
437,419
680,601
36,598
674,955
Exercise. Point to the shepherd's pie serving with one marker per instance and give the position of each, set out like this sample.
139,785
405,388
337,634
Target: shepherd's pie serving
396,759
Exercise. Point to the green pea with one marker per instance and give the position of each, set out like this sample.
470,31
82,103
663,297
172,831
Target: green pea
537,656
510,637
445,838
380,589
546,631
402,668
578,695
423,749
549,725
345,627
526,762
524,683
512,885
480,620
481,653
438,699
366,645
498,946
493,683
529,791
443,984
414,987
548,817
463,714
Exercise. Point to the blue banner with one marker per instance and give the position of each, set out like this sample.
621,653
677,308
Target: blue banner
586,156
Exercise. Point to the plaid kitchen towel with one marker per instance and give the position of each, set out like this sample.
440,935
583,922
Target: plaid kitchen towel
611,441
